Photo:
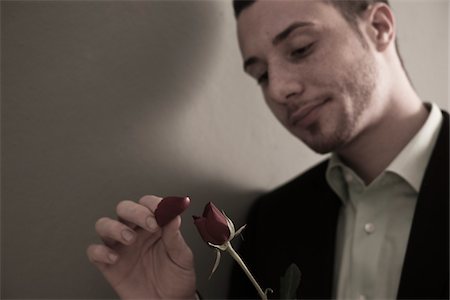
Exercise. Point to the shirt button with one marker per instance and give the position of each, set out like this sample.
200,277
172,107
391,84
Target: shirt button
369,228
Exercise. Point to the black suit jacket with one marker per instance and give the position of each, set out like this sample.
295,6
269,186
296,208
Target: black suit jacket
297,222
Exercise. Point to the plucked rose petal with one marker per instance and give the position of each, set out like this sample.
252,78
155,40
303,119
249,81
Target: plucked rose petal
169,208
212,226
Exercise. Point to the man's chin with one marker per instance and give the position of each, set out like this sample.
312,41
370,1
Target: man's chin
321,144
321,149
321,140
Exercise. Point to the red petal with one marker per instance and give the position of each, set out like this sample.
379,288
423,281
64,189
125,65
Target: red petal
200,223
216,224
169,208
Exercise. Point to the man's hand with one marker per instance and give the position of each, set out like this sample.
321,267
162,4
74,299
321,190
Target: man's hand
141,260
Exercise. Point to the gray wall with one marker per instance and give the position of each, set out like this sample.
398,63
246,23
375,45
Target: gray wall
104,101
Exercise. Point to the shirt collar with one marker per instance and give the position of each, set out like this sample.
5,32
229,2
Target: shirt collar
335,177
418,150
412,161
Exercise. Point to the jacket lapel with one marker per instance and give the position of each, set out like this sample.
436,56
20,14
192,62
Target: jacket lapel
426,266
317,260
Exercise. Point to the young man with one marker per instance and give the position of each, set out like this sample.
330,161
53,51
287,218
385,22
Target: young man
370,222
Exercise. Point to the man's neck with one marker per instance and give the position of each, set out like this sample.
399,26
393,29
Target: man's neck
376,147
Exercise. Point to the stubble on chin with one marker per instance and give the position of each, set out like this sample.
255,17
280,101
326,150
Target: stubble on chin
322,142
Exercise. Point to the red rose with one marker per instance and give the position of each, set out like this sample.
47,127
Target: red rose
213,225
218,230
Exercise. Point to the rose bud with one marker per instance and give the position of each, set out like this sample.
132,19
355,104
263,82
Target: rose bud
213,226
169,208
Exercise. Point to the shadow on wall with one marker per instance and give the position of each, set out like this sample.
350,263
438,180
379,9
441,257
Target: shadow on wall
75,76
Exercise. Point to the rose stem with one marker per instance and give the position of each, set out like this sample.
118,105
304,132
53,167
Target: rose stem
239,260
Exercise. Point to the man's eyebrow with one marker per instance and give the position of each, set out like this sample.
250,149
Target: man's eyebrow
285,33
278,39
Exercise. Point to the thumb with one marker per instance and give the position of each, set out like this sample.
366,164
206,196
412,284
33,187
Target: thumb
176,247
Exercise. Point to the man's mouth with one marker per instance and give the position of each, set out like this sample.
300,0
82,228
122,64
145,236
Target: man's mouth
306,114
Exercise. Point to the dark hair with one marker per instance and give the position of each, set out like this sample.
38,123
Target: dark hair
239,5
349,9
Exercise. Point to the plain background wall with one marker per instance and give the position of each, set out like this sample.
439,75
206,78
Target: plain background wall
110,100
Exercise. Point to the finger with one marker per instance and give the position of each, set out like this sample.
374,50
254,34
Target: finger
112,231
129,224
101,255
151,202
176,246
137,214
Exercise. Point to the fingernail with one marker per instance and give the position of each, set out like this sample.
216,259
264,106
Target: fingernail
127,235
112,257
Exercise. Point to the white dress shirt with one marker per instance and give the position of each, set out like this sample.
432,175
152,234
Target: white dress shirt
375,219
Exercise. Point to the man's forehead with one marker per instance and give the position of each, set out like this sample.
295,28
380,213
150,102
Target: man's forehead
267,18
279,4
272,13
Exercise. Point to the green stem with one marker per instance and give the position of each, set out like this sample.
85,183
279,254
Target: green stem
241,263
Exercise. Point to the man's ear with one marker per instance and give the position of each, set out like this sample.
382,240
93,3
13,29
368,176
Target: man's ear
381,25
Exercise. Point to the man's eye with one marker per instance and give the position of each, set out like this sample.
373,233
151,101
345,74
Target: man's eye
301,52
263,78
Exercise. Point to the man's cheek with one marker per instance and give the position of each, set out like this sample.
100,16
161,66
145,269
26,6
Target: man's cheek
281,114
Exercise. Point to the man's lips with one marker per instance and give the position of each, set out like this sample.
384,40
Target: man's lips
303,116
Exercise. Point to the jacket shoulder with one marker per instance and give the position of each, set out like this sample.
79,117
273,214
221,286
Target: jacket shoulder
312,178
300,190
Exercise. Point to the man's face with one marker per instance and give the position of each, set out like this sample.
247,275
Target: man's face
316,74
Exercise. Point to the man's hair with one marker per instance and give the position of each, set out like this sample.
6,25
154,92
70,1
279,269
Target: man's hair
349,9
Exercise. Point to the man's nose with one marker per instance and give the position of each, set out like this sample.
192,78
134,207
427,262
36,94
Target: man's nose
284,85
